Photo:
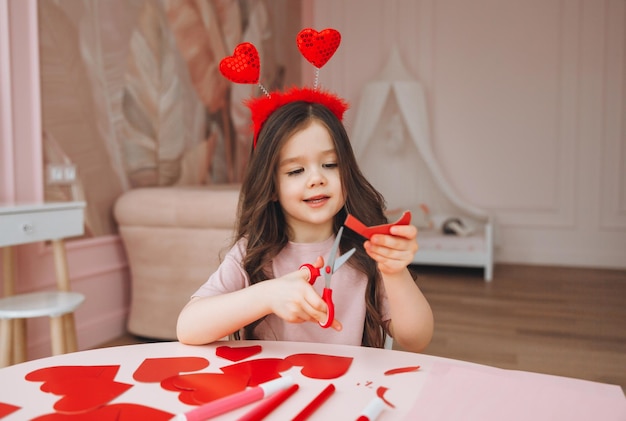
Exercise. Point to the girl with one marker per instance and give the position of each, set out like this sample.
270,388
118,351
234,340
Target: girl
301,183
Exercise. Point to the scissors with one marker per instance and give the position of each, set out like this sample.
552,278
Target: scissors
334,263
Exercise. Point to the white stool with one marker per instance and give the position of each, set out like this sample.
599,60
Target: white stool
15,310
38,223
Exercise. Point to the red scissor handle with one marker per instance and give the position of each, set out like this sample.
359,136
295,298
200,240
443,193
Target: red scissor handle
327,295
313,272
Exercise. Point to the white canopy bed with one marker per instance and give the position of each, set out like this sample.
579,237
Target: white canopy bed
391,142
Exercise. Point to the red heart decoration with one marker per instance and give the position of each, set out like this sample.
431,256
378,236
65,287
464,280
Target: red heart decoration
237,353
114,412
259,371
243,66
200,388
318,47
83,388
153,370
6,409
319,366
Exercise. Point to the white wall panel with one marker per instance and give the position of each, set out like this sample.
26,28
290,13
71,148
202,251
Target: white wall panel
613,190
527,110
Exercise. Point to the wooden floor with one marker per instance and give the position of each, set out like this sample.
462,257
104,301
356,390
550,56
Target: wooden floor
563,321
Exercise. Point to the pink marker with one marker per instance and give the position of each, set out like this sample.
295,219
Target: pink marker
235,401
372,410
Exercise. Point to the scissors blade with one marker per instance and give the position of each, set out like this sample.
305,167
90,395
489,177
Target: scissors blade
330,267
343,258
333,251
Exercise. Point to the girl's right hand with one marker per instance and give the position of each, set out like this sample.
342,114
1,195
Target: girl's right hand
294,300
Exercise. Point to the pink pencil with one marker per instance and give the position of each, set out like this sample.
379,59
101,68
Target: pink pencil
269,404
315,403
236,400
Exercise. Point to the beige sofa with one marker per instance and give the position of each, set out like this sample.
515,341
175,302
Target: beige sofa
174,238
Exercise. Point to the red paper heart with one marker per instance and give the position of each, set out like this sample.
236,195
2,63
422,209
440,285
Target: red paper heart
115,412
200,388
259,371
318,47
237,353
6,409
243,66
83,388
153,370
318,366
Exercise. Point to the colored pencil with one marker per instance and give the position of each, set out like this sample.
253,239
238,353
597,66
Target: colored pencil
268,405
315,403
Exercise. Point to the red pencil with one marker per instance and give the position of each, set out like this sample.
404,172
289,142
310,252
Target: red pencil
315,403
269,404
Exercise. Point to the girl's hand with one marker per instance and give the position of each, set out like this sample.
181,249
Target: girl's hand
294,300
394,252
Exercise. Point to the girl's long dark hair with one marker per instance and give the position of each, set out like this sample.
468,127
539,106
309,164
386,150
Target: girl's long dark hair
262,223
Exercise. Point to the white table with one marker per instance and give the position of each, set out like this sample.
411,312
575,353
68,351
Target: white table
441,389
29,223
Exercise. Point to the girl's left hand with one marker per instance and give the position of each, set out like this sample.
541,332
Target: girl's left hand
394,252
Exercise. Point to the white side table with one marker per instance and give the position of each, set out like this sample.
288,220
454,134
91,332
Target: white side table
23,224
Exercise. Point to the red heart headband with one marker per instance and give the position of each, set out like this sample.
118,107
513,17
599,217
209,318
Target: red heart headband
244,66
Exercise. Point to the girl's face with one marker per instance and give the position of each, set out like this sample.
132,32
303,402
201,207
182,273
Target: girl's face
309,184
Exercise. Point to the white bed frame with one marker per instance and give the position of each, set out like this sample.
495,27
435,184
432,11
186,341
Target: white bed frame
475,250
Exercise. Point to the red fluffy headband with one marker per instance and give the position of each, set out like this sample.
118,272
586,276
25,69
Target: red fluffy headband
262,107
244,67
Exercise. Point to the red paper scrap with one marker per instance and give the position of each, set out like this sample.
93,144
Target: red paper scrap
380,392
402,370
357,226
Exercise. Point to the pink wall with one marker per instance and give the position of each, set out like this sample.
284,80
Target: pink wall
98,266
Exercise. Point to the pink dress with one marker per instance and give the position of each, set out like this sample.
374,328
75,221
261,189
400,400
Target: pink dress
348,287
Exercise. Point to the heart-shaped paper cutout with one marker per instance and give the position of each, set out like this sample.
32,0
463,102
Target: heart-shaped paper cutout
243,66
115,412
259,371
6,409
82,388
153,370
319,366
237,353
200,388
318,47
